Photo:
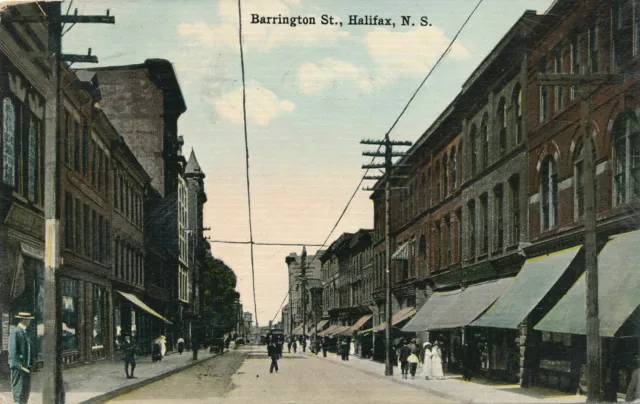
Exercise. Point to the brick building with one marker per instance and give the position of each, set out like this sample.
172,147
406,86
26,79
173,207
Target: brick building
313,275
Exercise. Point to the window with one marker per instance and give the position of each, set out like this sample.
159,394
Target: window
472,229
423,192
411,203
123,264
484,134
559,90
517,111
100,169
474,149
428,191
100,243
76,146
68,218
498,217
445,177
122,192
484,222
577,44
85,224
99,315
454,169
107,240
94,162
117,266
626,144
422,248
549,193
437,181
593,49
34,190
8,142
514,184
85,147
578,177
67,136
544,106
77,226
448,247
624,24
94,235
502,126
459,235
107,167
438,246
116,197
69,292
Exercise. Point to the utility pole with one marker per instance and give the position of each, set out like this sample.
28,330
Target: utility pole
52,389
586,84
387,177
303,279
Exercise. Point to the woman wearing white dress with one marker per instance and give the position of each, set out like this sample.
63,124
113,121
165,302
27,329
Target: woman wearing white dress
428,355
436,363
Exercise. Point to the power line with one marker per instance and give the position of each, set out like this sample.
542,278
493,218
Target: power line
442,56
246,148
266,244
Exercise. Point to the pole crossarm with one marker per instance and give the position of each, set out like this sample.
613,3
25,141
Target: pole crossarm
380,154
79,58
569,79
373,177
373,166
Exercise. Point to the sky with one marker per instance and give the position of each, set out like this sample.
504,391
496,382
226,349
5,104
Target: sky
313,92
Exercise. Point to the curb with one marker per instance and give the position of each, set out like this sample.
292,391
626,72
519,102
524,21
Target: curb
435,392
102,398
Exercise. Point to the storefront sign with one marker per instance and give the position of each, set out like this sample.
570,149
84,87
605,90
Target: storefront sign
5,332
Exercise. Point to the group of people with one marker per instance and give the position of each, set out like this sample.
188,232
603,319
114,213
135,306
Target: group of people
409,358
292,342
159,348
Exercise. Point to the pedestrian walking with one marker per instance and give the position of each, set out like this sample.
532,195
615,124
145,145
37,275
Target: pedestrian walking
633,391
428,361
129,356
403,356
295,346
156,352
163,346
272,351
344,349
304,343
413,364
180,345
325,344
352,349
467,365
289,344
436,362
20,359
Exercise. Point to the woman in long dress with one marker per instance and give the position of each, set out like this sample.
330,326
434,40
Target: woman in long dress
436,363
428,355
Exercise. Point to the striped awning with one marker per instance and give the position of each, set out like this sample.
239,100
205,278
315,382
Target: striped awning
328,331
134,299
342,330
360,323
402,253
397,318
321,324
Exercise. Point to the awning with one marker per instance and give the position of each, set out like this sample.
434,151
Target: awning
360,323
365,332
401,253
397,318
459,308
321,324
134,299
618,291
328,331
341,330
535,280
438,305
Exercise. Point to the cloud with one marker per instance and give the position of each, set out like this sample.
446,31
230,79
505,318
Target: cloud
332,73
259,37
262,104
414,51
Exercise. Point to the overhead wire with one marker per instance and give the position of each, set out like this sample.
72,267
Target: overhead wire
442,56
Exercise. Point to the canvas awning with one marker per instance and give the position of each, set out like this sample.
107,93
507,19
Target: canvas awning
134,299
328,331
458,308
535,280
397,318
297,330
360,323
402,253
618,291
321,324
341,330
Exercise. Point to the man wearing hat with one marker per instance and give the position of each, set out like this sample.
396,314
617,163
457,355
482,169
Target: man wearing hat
20,359
128,355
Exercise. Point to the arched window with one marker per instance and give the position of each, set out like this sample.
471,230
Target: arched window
517,112
422,248
484,137
8,142
548,193
437,181
474,149
454,169
445,176
502,126
578,177
626,145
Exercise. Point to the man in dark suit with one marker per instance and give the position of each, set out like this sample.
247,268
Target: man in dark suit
20,359
272,351
128,355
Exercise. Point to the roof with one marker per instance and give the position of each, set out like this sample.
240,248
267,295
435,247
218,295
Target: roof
193,168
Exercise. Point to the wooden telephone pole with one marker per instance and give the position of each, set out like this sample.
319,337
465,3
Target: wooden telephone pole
388,166
52,390
586,84
303,280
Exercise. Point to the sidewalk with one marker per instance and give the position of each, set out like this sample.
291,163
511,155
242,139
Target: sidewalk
454,388
102,380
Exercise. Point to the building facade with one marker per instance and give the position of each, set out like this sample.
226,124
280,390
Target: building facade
313,276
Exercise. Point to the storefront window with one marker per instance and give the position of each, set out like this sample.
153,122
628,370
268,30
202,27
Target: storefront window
69,313
99,315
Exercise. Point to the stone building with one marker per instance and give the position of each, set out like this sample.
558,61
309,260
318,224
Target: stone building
313,274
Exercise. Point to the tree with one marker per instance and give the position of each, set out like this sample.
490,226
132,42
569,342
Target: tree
219,296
